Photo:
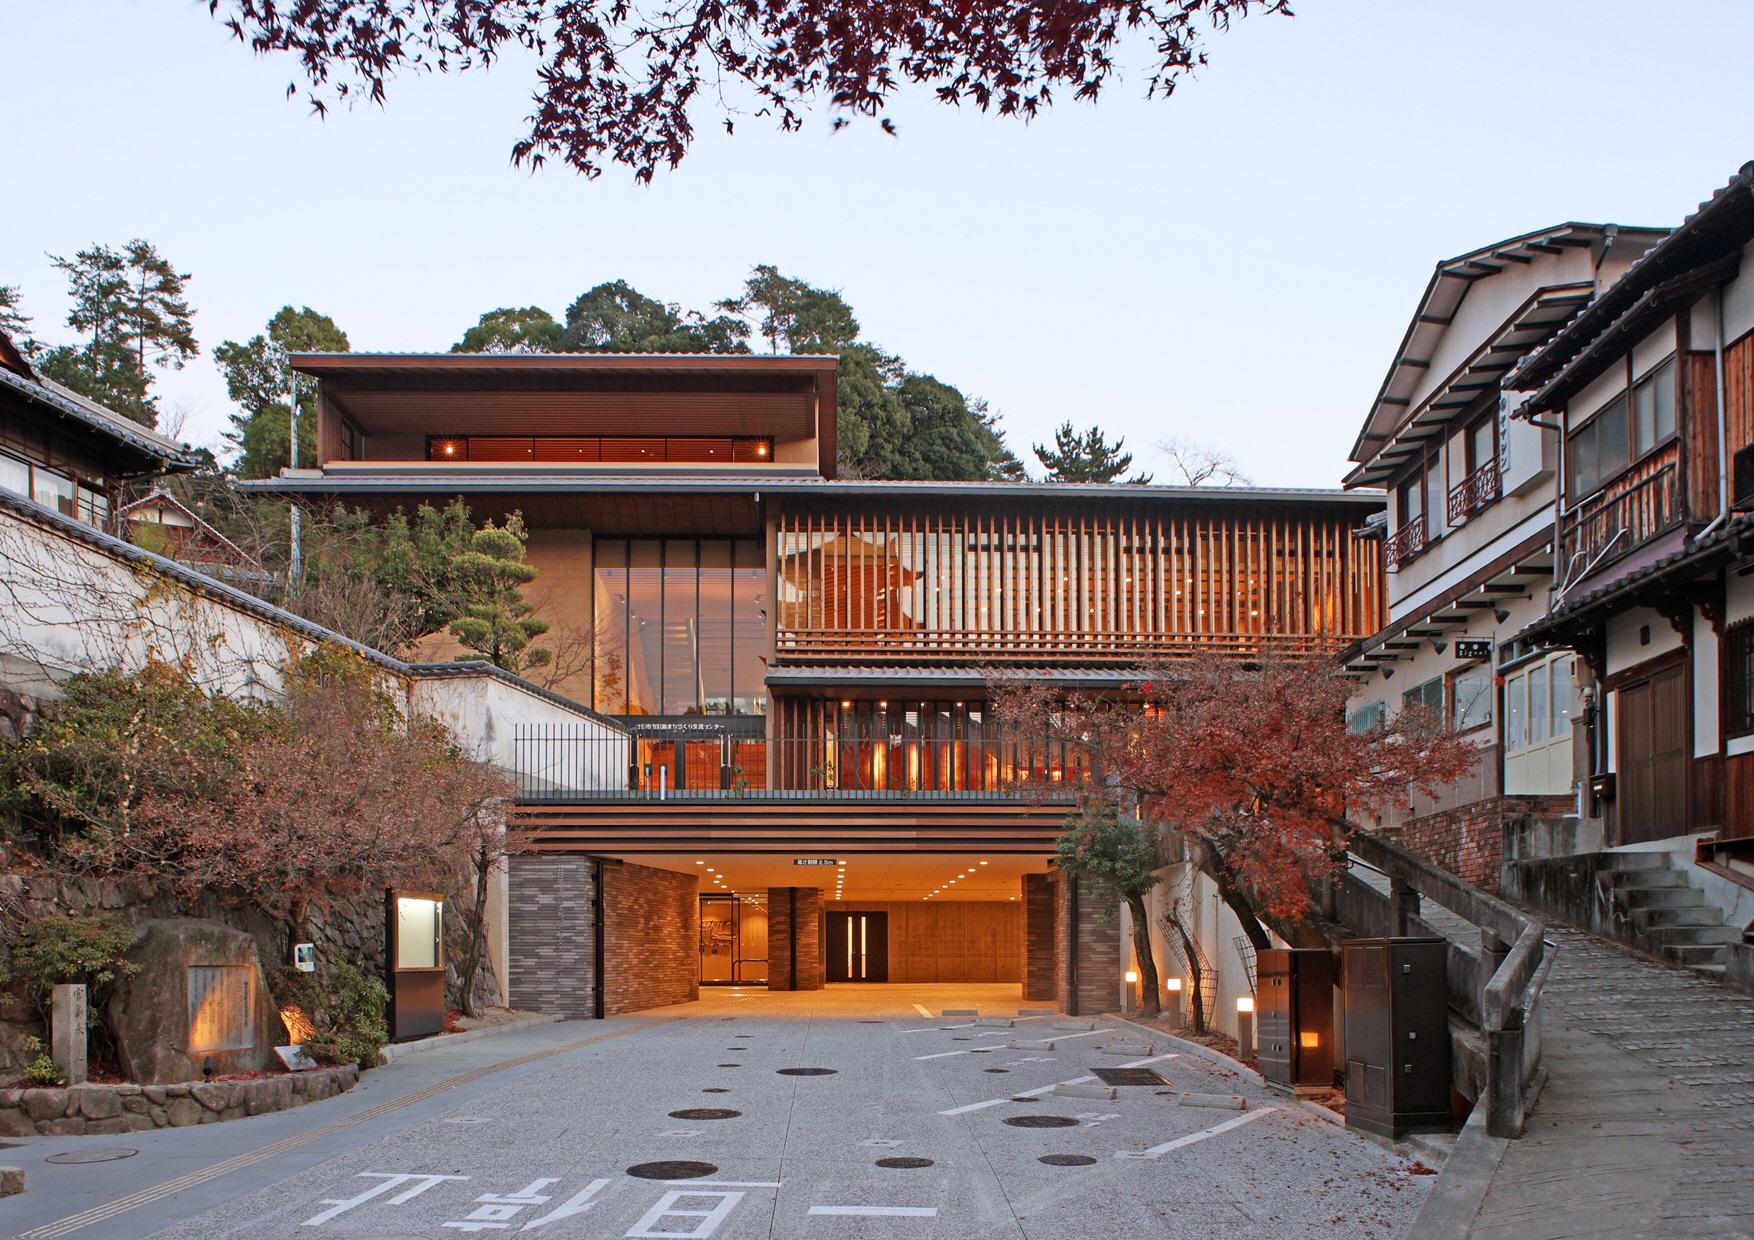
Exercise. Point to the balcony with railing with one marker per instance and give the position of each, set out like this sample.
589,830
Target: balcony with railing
1405,544
1634,508
565,764
1474,493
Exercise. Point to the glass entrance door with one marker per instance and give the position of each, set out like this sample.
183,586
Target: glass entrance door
733,940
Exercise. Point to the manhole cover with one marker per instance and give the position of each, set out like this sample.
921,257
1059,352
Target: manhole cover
904,1164
1041,1121
873,1022
90,1156
995,1069
808,1071
672,1170
1067,1160
1025,1098
705,1113
1128,1076
715,1089
730,1065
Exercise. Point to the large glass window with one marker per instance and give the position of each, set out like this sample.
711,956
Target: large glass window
1653,408
1599,451
14,475
1471,697
681,627
51,490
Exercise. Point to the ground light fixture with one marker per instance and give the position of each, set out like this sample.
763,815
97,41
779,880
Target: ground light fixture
1245,1024
1172,1001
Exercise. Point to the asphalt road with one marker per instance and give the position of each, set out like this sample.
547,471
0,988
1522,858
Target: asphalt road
536,1132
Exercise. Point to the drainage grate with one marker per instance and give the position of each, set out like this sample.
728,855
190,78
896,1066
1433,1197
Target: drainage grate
705,1113
1128,1076
672,1170
1041,1121
904,1164
1067,1160
808,1071
92,1156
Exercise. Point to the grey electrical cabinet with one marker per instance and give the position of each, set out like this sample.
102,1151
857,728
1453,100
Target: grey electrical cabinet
1295,998
1397,1035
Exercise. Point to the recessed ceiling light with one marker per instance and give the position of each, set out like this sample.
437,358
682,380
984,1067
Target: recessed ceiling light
983,863
700,863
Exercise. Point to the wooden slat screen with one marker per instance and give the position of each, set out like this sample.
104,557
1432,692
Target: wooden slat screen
1069,584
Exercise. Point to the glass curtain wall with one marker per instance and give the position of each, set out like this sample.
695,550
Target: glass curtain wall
681,627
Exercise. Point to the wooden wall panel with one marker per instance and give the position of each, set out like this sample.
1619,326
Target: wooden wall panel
971,941
1739,393
1701,379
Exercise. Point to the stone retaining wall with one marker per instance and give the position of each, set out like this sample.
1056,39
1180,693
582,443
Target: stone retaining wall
91,1110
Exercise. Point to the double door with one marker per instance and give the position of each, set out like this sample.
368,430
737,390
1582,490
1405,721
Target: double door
1653,760
858,947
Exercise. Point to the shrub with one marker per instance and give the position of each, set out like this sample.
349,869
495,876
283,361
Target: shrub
41,1068
347,1009
54,950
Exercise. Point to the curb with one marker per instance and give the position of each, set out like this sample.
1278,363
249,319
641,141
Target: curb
1467,1174
1194,1048
401,1050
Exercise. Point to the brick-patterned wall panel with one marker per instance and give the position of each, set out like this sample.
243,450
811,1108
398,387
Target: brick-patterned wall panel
651,938
548,930
1083,936
1038,937
781,902
1469,841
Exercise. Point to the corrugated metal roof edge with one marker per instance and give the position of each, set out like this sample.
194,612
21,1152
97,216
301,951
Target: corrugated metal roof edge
245,601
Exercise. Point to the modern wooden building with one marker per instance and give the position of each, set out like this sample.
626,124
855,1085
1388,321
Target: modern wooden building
800,663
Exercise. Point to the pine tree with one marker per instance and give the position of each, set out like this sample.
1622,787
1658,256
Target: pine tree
257,377
496,621
1086,457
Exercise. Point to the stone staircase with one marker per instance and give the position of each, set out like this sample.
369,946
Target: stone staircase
1659,910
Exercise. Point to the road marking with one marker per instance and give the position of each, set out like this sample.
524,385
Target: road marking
1030,1093
1158,1151
146,1196
941,1055
666,1208
935,1028
391,1179
923,1011
728,1183
877,1211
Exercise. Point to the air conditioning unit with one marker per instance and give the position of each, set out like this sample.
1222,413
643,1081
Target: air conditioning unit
1742,479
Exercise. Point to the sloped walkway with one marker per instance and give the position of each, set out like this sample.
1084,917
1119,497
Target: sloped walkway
1646,1124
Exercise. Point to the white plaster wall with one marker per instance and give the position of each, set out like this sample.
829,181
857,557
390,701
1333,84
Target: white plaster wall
1624,650
1595,396
1653,350
1705,687
1469,549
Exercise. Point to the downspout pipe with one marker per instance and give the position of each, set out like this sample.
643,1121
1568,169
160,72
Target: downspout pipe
1723,446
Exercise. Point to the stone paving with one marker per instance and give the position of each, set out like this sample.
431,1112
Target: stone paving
548,1150
1646,1125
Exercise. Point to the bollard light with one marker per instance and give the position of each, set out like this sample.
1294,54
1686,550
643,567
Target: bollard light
1130,996
1245,1026
1172,1001
1132,977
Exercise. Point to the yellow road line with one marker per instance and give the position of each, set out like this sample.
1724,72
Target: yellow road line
146,1196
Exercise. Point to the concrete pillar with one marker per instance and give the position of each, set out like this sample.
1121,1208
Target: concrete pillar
1038,936
1403,907
67,1032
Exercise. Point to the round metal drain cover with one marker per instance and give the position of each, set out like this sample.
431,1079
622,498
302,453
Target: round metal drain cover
904,1164
808,1071
92,1156
672,1170
705,1113
1067,1160
1041,1121
995,1069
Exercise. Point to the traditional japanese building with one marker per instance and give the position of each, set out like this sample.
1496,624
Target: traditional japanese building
808,783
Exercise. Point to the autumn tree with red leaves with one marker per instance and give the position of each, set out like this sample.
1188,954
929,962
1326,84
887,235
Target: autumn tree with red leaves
621,84
1253,768
292,808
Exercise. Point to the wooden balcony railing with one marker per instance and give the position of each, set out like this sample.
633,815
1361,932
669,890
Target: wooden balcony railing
980,646
1474,492
1405,543
1642,503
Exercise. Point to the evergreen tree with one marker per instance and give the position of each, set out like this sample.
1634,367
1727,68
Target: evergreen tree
129,308
14,321
528,330
257,377
495,620
615,317
795,317
1086,457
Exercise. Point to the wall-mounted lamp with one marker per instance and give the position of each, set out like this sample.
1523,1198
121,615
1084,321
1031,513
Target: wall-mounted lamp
1388,673
1440,647
1500,614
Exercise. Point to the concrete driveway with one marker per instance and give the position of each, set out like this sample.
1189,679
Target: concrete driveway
546,1145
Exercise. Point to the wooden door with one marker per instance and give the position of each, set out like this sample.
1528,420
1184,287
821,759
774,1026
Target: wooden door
1654,744
858,947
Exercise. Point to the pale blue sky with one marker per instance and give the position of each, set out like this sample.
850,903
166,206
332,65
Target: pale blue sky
1235,265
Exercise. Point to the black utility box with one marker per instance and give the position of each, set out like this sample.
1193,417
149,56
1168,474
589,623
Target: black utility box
1295,996
1397,1035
